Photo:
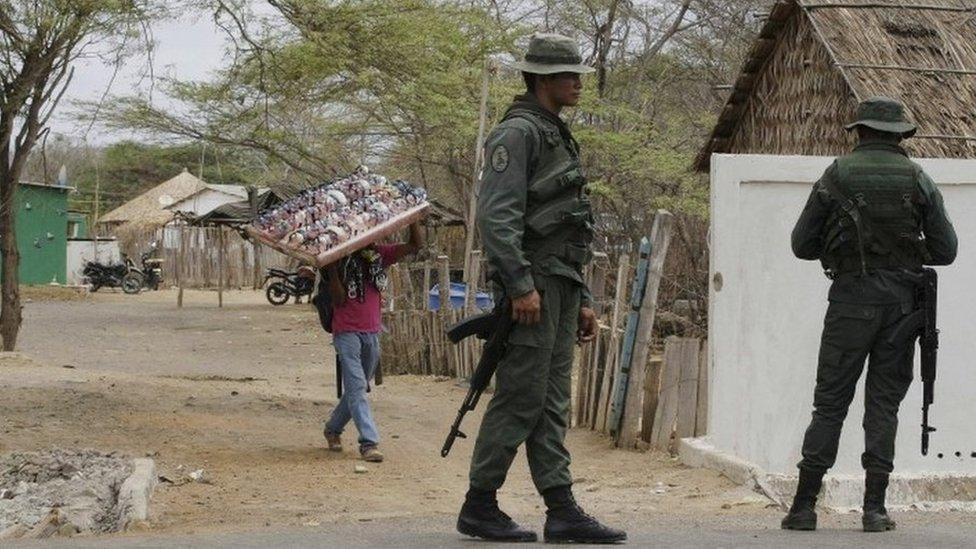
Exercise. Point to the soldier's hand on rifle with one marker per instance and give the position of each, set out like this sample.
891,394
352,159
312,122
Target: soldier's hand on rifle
527,309
587,325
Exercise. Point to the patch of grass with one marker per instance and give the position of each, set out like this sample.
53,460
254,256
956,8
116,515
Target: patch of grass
52,293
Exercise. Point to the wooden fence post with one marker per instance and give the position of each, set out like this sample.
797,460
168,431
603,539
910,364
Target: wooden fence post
701,419
220,266
633,408
677,353
612,364
444,312
652,388
426,293
179,268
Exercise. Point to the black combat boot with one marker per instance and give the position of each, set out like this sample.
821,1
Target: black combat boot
802,515
567,523
481,518
875,517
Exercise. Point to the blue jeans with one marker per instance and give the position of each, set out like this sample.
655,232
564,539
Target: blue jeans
358,353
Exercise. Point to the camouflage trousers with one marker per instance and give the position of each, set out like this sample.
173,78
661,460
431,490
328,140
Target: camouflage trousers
531,404
852,334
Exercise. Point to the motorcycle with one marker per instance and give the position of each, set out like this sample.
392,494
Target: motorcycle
149,276
287,285
100,275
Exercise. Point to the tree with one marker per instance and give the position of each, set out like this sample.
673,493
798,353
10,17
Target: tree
321,86
39,42
325,84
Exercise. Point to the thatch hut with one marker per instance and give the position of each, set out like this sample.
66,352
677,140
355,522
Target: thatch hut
815,60
149,211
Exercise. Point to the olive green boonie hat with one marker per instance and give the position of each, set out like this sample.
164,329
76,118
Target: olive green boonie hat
883,114
551,54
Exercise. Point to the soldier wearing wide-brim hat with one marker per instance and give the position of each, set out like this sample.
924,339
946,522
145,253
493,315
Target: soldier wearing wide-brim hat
884,115
873,220
536,223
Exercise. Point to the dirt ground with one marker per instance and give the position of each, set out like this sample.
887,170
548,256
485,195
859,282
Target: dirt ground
241,392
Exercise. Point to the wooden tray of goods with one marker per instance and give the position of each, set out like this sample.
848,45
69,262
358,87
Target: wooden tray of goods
354,244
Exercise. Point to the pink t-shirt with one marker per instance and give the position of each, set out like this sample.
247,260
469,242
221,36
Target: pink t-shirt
365,316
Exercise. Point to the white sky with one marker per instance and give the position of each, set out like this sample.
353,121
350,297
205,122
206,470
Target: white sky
188,48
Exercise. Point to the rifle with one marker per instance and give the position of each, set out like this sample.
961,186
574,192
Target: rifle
921,324
494,328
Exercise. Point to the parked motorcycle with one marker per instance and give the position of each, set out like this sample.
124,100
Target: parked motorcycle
149,276
287,285
100,275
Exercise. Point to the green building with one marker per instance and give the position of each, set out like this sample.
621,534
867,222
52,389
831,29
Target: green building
42,232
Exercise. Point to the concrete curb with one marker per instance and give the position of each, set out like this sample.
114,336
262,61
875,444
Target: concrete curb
936,492
135,493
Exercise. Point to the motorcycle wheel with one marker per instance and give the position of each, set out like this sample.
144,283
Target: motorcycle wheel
132,284
277,294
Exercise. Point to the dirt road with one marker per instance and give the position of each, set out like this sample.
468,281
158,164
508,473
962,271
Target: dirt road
241,392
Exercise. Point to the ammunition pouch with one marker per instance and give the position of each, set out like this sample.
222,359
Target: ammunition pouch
547,187
570,212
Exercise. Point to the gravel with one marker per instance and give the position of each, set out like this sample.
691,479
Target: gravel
83,484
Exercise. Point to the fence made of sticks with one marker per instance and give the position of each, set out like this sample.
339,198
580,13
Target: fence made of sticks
631,384
209,254
416,339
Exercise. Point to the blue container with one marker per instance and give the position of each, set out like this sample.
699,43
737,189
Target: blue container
483,300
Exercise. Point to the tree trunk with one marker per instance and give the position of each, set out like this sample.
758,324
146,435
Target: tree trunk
10,313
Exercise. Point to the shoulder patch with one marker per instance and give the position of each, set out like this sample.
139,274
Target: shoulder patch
499,158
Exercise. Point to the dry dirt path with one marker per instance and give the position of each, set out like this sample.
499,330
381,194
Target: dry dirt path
241,393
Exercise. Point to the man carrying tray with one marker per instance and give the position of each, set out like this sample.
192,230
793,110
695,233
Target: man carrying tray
355,284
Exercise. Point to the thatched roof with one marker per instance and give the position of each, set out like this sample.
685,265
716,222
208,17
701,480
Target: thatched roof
815,60
148,210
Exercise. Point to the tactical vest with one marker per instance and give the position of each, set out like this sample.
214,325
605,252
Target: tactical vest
884,198
559,215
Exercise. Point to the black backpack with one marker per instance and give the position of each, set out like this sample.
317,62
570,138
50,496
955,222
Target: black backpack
323,301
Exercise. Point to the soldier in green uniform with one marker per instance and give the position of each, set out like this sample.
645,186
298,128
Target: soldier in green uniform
536,223
873,220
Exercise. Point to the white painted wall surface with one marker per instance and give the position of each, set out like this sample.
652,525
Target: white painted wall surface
767,315
80,251
204,202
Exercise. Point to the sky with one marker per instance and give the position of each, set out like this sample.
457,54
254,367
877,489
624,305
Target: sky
187,48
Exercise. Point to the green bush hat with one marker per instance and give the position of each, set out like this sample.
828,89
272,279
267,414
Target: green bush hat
883,114
551,54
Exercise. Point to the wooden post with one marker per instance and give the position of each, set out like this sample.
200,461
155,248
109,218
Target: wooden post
179,268
660,240
470,306
444,312
701,417
220,266
598,283
479,159
612,365
652,388
622,376
252,198
677,352
426,304
471,282
688,393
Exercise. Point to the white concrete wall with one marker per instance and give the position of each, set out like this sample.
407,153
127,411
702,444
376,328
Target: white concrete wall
80,251
767,314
